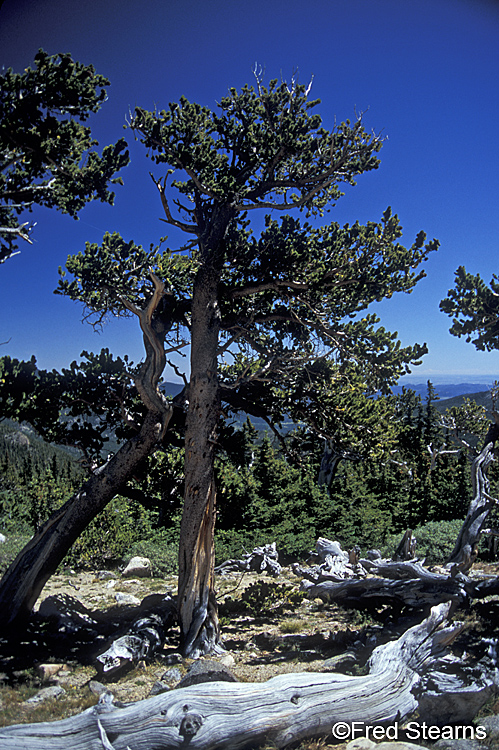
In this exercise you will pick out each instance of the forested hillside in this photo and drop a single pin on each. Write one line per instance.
(265, 493)
(482, 398)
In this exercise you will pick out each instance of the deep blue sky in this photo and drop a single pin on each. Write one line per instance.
(426, 72)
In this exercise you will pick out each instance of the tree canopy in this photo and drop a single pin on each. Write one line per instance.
(474, 308)
(273, 320)
(47, 154)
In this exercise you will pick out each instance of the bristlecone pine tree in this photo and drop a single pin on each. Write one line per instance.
(273, 321)
(474, 308)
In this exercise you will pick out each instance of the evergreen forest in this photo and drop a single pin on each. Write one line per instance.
(267, 491)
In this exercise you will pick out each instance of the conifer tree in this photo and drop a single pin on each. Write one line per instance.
(474, 308)
(274, 321)
(47, 155)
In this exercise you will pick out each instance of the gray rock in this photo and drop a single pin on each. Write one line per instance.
(97, 688)
(103, 574)
(126, 599)
(46, 694)
(491, 724)
(49, 672)
(340, 662)
(159, 687)
(3, 538)
(173, 675)
(363, 743)
(138, 567)
(227, 660)
(206, 671)
(174, 658)
(460, 745)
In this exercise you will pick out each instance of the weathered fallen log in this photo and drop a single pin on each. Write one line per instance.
(263, 559)
(454, 689)
(282, 710)
(145, 637)
(325, 547)
(371, 592)
(401, 570)
(337, 566)
(479, 589)
(334, 563)
(332, 569)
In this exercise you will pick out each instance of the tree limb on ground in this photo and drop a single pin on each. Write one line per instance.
(283, 710)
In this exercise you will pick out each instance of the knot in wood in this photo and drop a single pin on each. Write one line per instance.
(190, 724)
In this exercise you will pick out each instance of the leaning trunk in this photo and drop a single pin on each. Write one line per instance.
(25, 578)
(196, 600)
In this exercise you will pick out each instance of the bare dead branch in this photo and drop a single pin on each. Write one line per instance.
(161, 186)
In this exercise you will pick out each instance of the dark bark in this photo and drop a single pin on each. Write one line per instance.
(200, 632)
(143, 640)
(27, 575)
(406, 549)
(331, 457)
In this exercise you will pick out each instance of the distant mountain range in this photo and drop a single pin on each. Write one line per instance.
(449, 394)
(482, 398)
(444, 390)
(171, 389)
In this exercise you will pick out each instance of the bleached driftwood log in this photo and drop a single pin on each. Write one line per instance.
(264, 559)
(403, 570)
(454, 692)
(284, 709)
(371, 592)
(334, 563)
(326, 548)
(144, 638)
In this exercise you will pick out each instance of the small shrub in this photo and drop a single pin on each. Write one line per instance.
(11, 548)
(161, 551)
(269, 597)
(291, 626)
(110, 536)
(435, 541)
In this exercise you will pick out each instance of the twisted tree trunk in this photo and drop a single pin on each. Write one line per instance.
(27, 575)
(200, 632)
(464, 552)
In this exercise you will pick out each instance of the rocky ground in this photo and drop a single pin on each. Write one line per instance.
(274, 633)
(268, 629)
